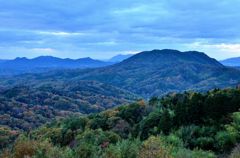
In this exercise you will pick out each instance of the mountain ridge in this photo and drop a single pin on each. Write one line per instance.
(45, 63)
(158, 72)
(174, 55)
(153, 73)
(235, 62)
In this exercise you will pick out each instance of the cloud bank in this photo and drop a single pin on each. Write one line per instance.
(101, 29)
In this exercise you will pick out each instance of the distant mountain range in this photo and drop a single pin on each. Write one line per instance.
(46, 63)
(151, 73)
(234, 62)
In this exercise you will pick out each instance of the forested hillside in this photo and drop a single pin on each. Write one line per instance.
(187, 125)
(27, 107)
(158, 72)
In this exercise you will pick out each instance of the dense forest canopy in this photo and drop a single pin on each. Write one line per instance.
(190, 124)
(28, 107)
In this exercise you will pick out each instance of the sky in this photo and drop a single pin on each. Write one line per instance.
(103, 28)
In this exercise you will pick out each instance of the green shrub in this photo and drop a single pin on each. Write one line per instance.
(205, 143)
(225, 141)
(174, 140)
(86, 150)
(123, 149)
(186, 153)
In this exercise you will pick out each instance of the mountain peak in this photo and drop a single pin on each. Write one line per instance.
(21, 58)
(86, 59)
(172, 57)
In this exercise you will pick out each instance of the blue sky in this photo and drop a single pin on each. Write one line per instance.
(103, 28)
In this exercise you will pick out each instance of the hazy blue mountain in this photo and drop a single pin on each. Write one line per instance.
(120, 57)
(150, 73)
(235, 62)
(46, 63)
(161, 71)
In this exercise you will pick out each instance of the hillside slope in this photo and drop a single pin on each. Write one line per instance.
(26, 107)
(161, 71)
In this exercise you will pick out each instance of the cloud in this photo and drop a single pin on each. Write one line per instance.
(233, 48)
(60, 33)
(48, 50)
(104, 28)
(219, 51)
